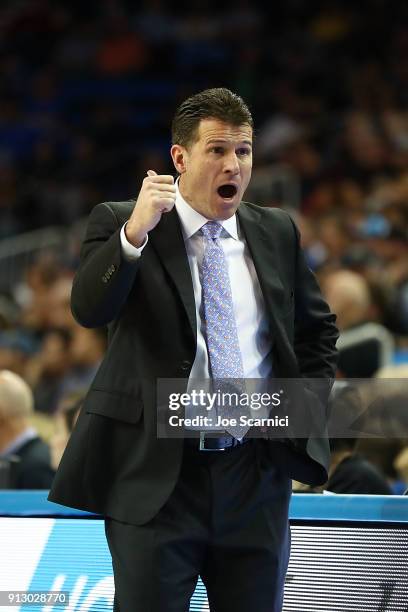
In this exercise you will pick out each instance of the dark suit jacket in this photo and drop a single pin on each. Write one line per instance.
(34, 469)
(114, 463)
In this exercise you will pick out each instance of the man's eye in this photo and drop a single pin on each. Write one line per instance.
(217, 150)
(244, 151)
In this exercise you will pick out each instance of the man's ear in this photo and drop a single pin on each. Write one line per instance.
(179, 156)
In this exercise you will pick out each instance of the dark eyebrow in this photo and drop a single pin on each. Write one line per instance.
(220, 141)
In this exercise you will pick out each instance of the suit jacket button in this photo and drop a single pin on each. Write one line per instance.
(185, 365)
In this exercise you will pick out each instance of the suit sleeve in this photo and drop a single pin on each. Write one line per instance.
(104, 277)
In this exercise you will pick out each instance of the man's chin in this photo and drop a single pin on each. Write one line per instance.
(225, 207)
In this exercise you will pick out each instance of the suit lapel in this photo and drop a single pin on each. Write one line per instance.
(167, 240)
(262, 247)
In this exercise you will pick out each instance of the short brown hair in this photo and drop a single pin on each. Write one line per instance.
(217, 103)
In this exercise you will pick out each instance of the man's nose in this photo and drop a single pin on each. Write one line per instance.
(232, 164)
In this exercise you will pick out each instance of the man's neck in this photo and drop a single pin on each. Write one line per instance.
(10, 434)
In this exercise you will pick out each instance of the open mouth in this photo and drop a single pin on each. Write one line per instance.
(227, 191)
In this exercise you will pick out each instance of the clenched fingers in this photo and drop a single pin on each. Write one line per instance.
(167, 179)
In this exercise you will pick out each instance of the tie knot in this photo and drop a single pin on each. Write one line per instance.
(212, 230)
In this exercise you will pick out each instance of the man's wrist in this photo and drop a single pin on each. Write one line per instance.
(130, 251)
(136, 239)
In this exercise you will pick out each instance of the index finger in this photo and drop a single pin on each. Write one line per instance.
(162, 178)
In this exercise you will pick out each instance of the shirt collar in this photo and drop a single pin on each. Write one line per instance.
(192, 221)
(28, 434)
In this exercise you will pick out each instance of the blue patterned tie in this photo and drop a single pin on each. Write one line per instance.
(222, 337)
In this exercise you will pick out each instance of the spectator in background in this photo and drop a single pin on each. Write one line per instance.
(33, 295)
(59, 309)
(16, 349)
(352, 473)
(349, 296)
(48, 306)
(86, 352)
(391, 453)
(9, 312)
(47, 370)
(364, 345)
(387, 456)
(18, 439)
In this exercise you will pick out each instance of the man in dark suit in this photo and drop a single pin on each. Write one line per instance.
(194, 283)
(27, 455)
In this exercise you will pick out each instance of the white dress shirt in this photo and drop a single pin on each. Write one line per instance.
(249, 308)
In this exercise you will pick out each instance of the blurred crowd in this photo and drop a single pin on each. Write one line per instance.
(87, 95)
